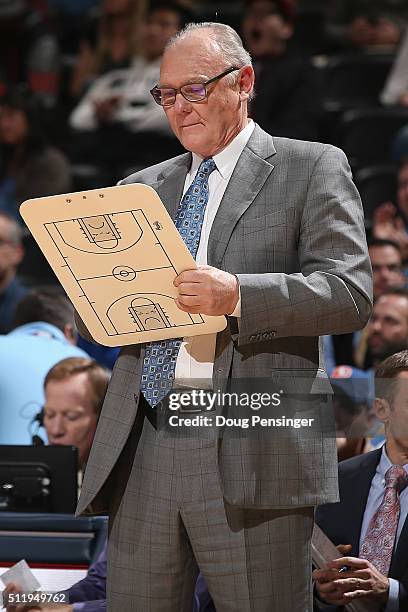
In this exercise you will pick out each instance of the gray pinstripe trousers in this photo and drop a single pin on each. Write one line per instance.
(172, 519)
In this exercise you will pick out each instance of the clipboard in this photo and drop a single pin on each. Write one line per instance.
(116, 252)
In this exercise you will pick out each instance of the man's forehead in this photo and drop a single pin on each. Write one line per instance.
(384, 252)
(191, 56)
(392, 304)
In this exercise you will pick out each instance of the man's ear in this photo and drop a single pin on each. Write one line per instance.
(246, 82)
(382, 409)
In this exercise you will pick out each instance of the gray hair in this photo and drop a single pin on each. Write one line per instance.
(226, 39)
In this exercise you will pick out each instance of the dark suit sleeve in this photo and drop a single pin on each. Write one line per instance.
(93, 586)
(403, 597)
(332, 292)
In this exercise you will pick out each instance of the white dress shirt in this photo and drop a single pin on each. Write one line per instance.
(195, 360)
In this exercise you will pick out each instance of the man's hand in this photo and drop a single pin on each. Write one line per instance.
(363, 580)
(47, 607)
(207, 290)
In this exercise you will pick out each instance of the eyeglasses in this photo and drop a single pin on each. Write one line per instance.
(193, 92)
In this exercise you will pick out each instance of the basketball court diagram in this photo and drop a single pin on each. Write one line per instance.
(122, 296)
(116, 252)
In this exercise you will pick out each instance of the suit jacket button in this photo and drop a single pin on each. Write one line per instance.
(273, 333)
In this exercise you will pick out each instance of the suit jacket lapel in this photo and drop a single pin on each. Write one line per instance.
(246, 181)
(171, 183)
(399, 561)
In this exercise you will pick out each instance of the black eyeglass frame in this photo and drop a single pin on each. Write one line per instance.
(180, 89)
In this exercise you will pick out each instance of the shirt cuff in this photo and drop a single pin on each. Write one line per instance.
(237, 310)
(393, 596)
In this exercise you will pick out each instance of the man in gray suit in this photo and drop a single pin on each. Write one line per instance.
(276, 227)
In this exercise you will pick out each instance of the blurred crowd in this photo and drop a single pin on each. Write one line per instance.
(76, 113)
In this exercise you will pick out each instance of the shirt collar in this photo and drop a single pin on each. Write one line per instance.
(226, 160)
(385, 464)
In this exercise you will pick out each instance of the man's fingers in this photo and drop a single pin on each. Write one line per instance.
(344, 548)
(188, 276)
(189, 300)
(188, 288)
(325, 575)
(327, 587)
(189, 309)
(355, 594)
(353, 584)
(353, 562)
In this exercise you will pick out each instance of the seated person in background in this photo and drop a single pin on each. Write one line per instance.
(87, 595)
(44, 333)
(365, 24)
(386, 262)
(116, 120)
(395, 92)
(369, 524)
(390, 221)
(29, 50)
(109, 42)
(287, 101)
(387, 330)
(11, 254)
(74, 391)
(29, 166)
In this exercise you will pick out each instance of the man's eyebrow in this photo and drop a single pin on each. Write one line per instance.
(195, 79)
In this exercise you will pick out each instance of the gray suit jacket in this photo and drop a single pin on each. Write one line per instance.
(291, 227)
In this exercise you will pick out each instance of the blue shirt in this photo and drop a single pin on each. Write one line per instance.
(374, 500)
(26, 355)
(89, 595)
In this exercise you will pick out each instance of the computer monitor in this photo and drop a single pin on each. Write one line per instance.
(38, 478)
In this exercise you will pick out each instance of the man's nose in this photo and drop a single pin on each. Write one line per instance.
(181, 105)
(56, 427)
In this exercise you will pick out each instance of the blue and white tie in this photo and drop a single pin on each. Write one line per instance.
(160, 357)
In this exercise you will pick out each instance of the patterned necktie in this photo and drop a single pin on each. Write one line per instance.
(379, 540)
(160, 357)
